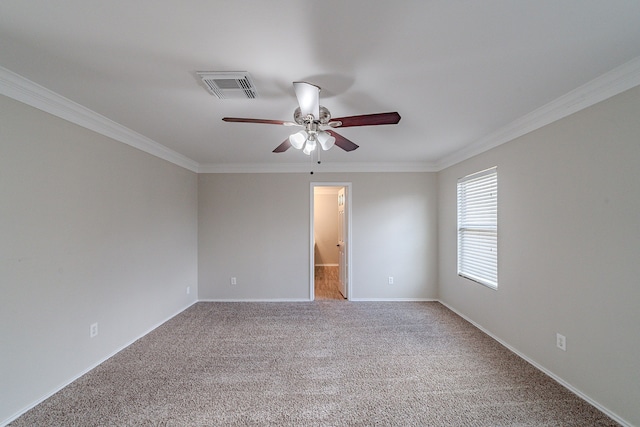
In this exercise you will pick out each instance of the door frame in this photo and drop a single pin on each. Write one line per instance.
(347, 208)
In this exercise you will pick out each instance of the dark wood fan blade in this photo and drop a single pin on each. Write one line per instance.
(283, 147)
(342, 142)
(243, 120)
(368, 120)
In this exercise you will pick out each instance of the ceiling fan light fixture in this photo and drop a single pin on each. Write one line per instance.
(312, 116)
(309, 146)
(297, 139)
(326, 140)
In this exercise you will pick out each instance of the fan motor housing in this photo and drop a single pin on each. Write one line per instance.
(324, 118)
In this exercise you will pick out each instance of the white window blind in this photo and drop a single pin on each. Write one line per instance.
(478, 227)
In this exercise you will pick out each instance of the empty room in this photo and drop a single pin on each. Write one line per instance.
(319, 213)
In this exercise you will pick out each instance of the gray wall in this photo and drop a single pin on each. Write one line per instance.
(255, 227)
(96, 231)
(569, 250)
(91, 231)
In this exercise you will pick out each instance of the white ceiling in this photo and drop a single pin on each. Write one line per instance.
(456, 71)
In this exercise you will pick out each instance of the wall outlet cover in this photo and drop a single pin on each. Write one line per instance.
(561, 342)
(93, 330)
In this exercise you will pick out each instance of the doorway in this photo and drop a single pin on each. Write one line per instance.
(330, 251)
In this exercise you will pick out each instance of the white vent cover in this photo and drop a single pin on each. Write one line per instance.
(229, 84)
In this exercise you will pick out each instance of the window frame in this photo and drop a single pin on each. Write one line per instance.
(477, 227)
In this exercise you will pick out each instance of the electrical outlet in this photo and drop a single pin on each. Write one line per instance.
(93, 330)
(391, 280)
(561, 342)
(234, 281)
(188, 290)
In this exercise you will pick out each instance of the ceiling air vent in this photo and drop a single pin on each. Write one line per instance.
(229, 84)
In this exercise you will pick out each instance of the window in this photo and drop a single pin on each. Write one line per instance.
(478, 227)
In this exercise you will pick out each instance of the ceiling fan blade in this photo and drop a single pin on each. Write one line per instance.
(308, 98)
(264, 121)
(366, 120)
(342, 142)
(283, 147)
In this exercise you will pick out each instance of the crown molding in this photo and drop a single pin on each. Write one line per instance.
(24, 90)
(30, 93)
(308, 167)
(607, 85)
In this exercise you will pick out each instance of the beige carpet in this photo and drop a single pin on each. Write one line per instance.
(325, 363)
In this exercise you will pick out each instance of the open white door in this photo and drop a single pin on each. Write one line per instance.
(343, 266)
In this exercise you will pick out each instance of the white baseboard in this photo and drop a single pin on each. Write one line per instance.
(395, 299)
(255, 300)
(559, 380)
(308, 300)
(95, 365)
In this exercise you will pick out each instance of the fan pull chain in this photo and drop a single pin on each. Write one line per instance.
(317, 158)
(311, 160)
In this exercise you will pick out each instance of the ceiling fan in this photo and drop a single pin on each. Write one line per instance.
(314, 118)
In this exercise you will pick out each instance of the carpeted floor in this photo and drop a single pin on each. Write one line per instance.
(322, 363)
